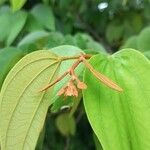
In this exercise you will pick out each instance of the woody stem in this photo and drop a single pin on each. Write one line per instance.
(70, 71)
(86, 56)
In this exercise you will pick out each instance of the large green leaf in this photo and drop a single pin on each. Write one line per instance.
(23, 107)
(18, 20)
(121, 121)
(44, 15)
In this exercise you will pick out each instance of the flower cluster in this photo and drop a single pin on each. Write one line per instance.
(72, 89)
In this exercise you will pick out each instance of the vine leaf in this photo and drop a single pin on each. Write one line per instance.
(121, 121)
(23, 108)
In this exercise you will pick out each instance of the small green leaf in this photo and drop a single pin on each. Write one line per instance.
(44, 15)
(32, 24)
(114, 31)
(17, 4)
(84, 41)
(23, 108)
(66, 124)
(34, 37)
(5, 25)
(131, 43)
(17, 23)
(55, 39)
(120, 120)
(147, 54)
(143, 41)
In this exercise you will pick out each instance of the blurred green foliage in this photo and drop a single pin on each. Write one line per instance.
(92, 25)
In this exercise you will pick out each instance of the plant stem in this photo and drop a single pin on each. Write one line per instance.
(101, 77)
(70, 71)
(86, 56)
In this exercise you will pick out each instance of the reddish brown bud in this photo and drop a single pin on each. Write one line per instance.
(71, 89)
(81, 85)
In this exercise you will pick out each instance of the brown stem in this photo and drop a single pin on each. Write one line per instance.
(86, 56)
(62, 76)
(101, 77)
(56, 81)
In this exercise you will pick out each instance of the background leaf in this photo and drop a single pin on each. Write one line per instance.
(131, 43)
(5, 25)
(44, 15)
(143, 41)
(66, 124)
(17, 4)
(18, 21)
(23, 108)
(35, 37)
(120, 120)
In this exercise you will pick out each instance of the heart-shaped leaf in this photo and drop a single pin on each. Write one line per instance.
(121, 121)
(23, 107)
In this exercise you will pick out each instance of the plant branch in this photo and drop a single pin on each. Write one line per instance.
(101, 77)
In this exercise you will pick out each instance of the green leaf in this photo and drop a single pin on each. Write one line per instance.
(32, 24)
(147, 54)
(34, 37)
(69, 40)
(55, 39)
(98, 145)
(17, 4)
(8, 58)
(8, 18)
(2, 1)
(120, 120)
(5, 25)
(143, 40)
(23, 107)
(114, 31)
(66, 124)
(131, 43)
(84, 41)
(44, 15)
(17, 23)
